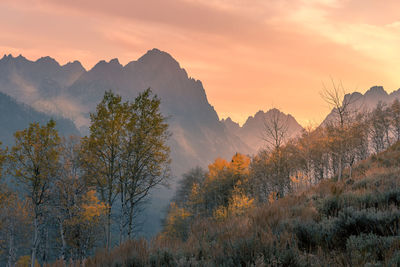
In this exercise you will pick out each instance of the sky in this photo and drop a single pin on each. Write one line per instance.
(250, 54)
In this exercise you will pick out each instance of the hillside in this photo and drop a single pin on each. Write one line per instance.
(15, 116)
(353, 222)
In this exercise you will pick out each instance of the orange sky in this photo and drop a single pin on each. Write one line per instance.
(249, 54)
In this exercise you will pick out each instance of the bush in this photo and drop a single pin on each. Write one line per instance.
(369, 248)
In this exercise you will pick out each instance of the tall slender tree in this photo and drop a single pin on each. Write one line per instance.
(146, 154)
(34, 163)
(102, 151)
(126, 154)
(336, 98)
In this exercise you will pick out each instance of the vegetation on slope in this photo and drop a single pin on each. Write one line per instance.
(351, 222)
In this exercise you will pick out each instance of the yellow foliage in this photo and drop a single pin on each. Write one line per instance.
(194, 197)
(239, 203)
(221, 213)
(92, 208)
(240, 164)
(176, 220)
(25, 261)
(218, 165)
(272, 197)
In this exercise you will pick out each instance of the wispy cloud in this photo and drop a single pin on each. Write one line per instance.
(59, 105)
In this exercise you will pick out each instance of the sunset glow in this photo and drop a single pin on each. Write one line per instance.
(250, 55)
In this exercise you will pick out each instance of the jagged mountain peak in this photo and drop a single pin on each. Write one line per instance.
(231, 125)
(10, 58)
(229, 120)
(251, 133)
(376, 91)
(115, 61)
(107, 68)
(158, 57)
(47, 60)
(76, 65)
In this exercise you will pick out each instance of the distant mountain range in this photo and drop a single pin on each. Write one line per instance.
(252, 133)
(41, 89)
(367, 101)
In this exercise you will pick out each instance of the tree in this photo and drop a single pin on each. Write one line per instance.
(15, 224)
(342, 109)
(72, 195)
(126, 154)
(34, 163)
(102, 151)
(356, 141)
(395, 118)
(380, 127)
(185, 185)
(146, 159)
(275, 129)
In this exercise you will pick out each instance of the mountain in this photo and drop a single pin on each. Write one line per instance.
(198, 136)
(71, 91)
(253, 130)
(40, 84)
(367, 101)
(15, 116)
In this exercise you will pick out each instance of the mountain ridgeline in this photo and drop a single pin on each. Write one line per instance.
(70, 91)
(43, 89)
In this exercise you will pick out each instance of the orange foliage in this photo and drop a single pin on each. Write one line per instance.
(218, 165)
(92, 207)
(240, 164)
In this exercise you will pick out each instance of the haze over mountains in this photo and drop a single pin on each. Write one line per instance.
(198, 136)
(252, 133)
(15, 116)
(367, 101)
(71, 91)
(43, 89)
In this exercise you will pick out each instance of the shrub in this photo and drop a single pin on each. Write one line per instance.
(369, 248)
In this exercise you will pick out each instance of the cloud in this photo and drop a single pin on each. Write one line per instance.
(59, 105)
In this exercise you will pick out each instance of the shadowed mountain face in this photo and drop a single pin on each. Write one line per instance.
(71, 91)
(252, 133)
(16, 116)
(198, 137)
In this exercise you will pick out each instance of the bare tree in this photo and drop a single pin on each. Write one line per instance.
(336, 98)
(275, 129)
(395, 118)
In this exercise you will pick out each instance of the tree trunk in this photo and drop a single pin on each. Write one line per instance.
(130, 222)
(108, 233)
(351, 167)
(64, 243)
(121, 219)
(11, 250)
(35, 241)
